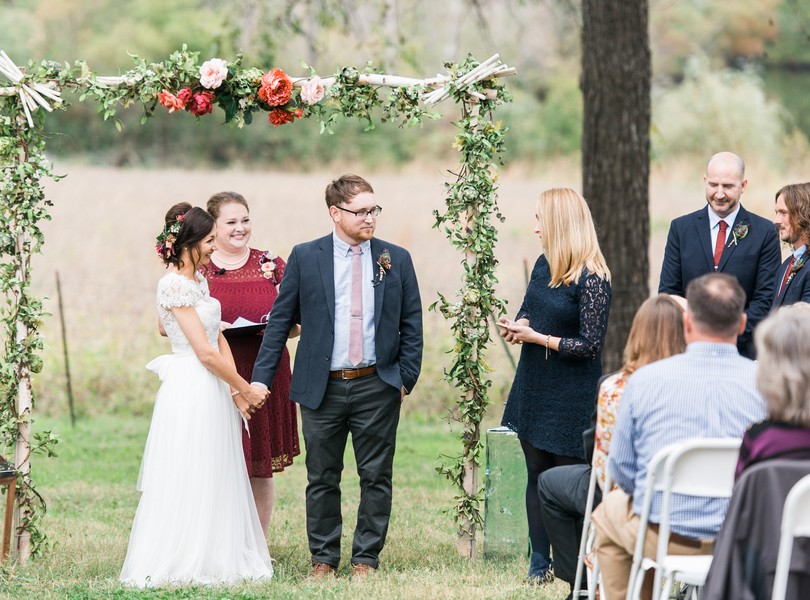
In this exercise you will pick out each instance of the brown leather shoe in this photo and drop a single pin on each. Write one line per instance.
(361, 570)
(322, 571)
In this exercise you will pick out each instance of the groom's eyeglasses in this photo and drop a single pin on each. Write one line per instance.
(363, 213)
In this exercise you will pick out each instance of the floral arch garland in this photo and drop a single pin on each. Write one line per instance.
(181, 83)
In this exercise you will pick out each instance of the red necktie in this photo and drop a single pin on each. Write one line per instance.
(720, 244)
(787, 274)
(356, 315)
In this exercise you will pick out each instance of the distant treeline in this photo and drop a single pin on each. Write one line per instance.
(746, 62)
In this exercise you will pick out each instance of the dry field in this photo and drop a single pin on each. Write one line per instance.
(104, 223)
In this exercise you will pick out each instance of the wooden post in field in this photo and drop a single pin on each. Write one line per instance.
(22, 452)
(65, 348)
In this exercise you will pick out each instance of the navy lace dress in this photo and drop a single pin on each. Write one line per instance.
(551, 400)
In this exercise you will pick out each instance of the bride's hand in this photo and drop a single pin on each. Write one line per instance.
(243, 405)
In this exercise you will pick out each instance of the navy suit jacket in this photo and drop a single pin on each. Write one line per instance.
(797, 289)
(307, 296)
(753, 260)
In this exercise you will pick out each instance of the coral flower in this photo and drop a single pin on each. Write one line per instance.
(276, 87)
(170, 101)
(279, 116)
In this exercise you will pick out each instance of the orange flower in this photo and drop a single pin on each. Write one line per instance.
(279, 116)
(170, 101)
(276, 88)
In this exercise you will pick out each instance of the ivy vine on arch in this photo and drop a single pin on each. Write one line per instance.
(182, 84)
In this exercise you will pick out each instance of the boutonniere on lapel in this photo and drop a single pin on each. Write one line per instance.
(383, 266)
(798, 264)
(739, 232)
(267, 264)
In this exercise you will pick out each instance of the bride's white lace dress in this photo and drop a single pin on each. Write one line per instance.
(196, 522)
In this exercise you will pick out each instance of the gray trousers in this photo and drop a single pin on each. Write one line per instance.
(368, 408)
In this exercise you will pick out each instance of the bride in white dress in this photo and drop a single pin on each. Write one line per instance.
(196, 522)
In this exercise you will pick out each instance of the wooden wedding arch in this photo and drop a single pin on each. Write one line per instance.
(183, 84)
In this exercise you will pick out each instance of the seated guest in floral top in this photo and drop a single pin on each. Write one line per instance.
(783, 379)
(656, 333)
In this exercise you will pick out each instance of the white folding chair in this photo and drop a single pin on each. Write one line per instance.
(586, 542)
(699, 467)
(795, 523)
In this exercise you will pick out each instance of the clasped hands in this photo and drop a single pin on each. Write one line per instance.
(516, 332)
(251, 400)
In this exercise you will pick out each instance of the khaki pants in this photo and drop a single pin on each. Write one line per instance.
(616, 532)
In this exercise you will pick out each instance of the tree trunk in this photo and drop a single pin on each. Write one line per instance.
(616, 73)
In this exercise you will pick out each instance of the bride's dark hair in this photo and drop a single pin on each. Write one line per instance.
(185, 227)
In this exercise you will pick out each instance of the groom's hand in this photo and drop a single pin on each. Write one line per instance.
(256, 396)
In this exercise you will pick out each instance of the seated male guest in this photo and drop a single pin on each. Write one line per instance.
(709, 391)
(792, 220)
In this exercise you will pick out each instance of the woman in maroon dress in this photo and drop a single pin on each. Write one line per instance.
(245, 281)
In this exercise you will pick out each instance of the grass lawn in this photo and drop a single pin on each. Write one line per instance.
(90, 490)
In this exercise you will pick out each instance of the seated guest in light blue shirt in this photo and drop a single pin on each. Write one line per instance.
(792, 220)
(709, 391)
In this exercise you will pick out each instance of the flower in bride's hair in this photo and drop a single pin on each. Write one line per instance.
(312, 90)
(213, 72)
(276, 87)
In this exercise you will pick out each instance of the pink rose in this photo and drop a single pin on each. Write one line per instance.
(267, 269)
(184, 95)
(213, 72)
(312, 91)
(201, 103)
(170, 101)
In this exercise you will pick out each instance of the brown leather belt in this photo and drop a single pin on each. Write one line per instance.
(680, 539)
(352, 373)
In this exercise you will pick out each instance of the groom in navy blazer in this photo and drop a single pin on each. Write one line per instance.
(748, 248)
(792, 220)
(360, 352)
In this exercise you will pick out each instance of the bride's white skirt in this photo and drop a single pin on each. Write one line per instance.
(196, 522)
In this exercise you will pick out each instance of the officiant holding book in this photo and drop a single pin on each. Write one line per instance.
(245, 281)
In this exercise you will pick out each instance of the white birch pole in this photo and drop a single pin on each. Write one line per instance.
(22, 452)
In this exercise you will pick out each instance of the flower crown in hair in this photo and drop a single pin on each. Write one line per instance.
(167, 237)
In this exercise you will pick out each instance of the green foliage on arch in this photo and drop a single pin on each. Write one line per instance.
(181, 84)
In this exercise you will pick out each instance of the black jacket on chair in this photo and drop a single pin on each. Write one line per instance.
(745, 553)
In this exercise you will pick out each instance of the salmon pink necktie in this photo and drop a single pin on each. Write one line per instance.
(718, 246)
(356, 321)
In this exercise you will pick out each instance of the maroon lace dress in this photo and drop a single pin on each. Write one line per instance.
(249, 292)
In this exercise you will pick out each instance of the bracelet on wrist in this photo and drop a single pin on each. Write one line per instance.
(236, 393)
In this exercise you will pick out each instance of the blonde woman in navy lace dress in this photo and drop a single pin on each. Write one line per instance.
(561, 326)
